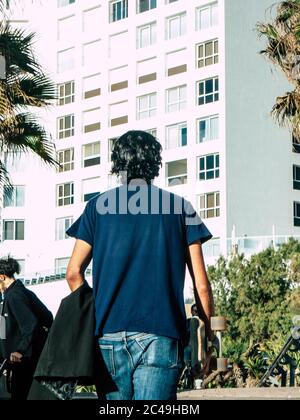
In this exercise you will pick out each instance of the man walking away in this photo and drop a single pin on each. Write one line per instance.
(141, 238)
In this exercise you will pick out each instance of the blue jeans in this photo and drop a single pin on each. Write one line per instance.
(141, 366)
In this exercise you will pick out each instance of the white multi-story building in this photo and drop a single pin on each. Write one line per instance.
(190, 73)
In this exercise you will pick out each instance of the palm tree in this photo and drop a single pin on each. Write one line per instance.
(24, 88)
(283, 50)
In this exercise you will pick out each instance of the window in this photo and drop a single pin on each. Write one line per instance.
(13, 230)
(66, 126)
(91, 19)
(296, 145)
(116, 46)
(66, 160)
(208, 91)
(176, 136)
(207, 53)
(61, 265)
(118, 9)
(63, 3)
(90, 188)
(152, 131)
(65, 194)
(17, 198)
(61, 226)
(91, 154)
(66, 93)
(146, 35)
(207, 16)
(146, 70)
(118, 114)
(209, 205)
(91, 86)
(176, 99)
(176, 26)
(209, 167)
(146, 106)
(118, 78)
(176, 62)
(66, 60)
(110, 147)
(65, 27)
(208, 129)
(91, 120)
(90, 52)
(296, 214)
(296, 171)
(176, 172)
(145, 5)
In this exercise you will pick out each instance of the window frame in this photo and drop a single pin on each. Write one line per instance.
(92, 157)
(183, 176)
(210, 6)
(215, 170)
(149, 109)
(179, 127)
(182, 25)
(65, 197)
(58, 234)
(182, 103)
(124, 10)
(216, 209)
(14, 221)
(215, 92)
(152, 35)
(61, 132)
(64, 162)
(138, 6)
(12, 201)
(209, 130)
(214, 56)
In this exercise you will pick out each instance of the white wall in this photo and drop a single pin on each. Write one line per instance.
(259, 154)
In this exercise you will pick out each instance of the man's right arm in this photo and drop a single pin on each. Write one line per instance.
(202, 288)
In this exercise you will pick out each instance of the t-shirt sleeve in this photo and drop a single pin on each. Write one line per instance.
(84, 227)
(194, 226)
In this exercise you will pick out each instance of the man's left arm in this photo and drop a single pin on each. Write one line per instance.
(80, 259)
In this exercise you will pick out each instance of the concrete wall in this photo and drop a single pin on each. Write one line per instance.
(259, 161)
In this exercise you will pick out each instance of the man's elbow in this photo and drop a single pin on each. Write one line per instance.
(73, 275)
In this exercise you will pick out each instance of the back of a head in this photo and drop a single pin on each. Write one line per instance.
(138, 154)
(9, 267)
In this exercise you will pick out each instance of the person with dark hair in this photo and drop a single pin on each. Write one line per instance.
(25, 321)
(141, 238)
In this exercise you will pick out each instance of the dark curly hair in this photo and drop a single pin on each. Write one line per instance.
(139, 154)
(9, 267)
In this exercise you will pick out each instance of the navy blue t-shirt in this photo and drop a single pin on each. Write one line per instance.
(140, 240)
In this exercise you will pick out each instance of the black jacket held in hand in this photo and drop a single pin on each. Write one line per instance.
(70, 351)
(26, 321)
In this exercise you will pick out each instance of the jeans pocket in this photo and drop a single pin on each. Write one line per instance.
(107, 352)
(163, 352)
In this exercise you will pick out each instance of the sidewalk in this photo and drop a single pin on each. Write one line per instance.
(242, 394)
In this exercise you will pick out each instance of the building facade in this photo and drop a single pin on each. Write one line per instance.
(188, 72)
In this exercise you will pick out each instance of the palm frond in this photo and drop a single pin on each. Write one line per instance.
(27, 134)
(16, 46)
(287, 107)
(31, 90)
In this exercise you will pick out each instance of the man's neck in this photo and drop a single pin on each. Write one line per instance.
(8, 283)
